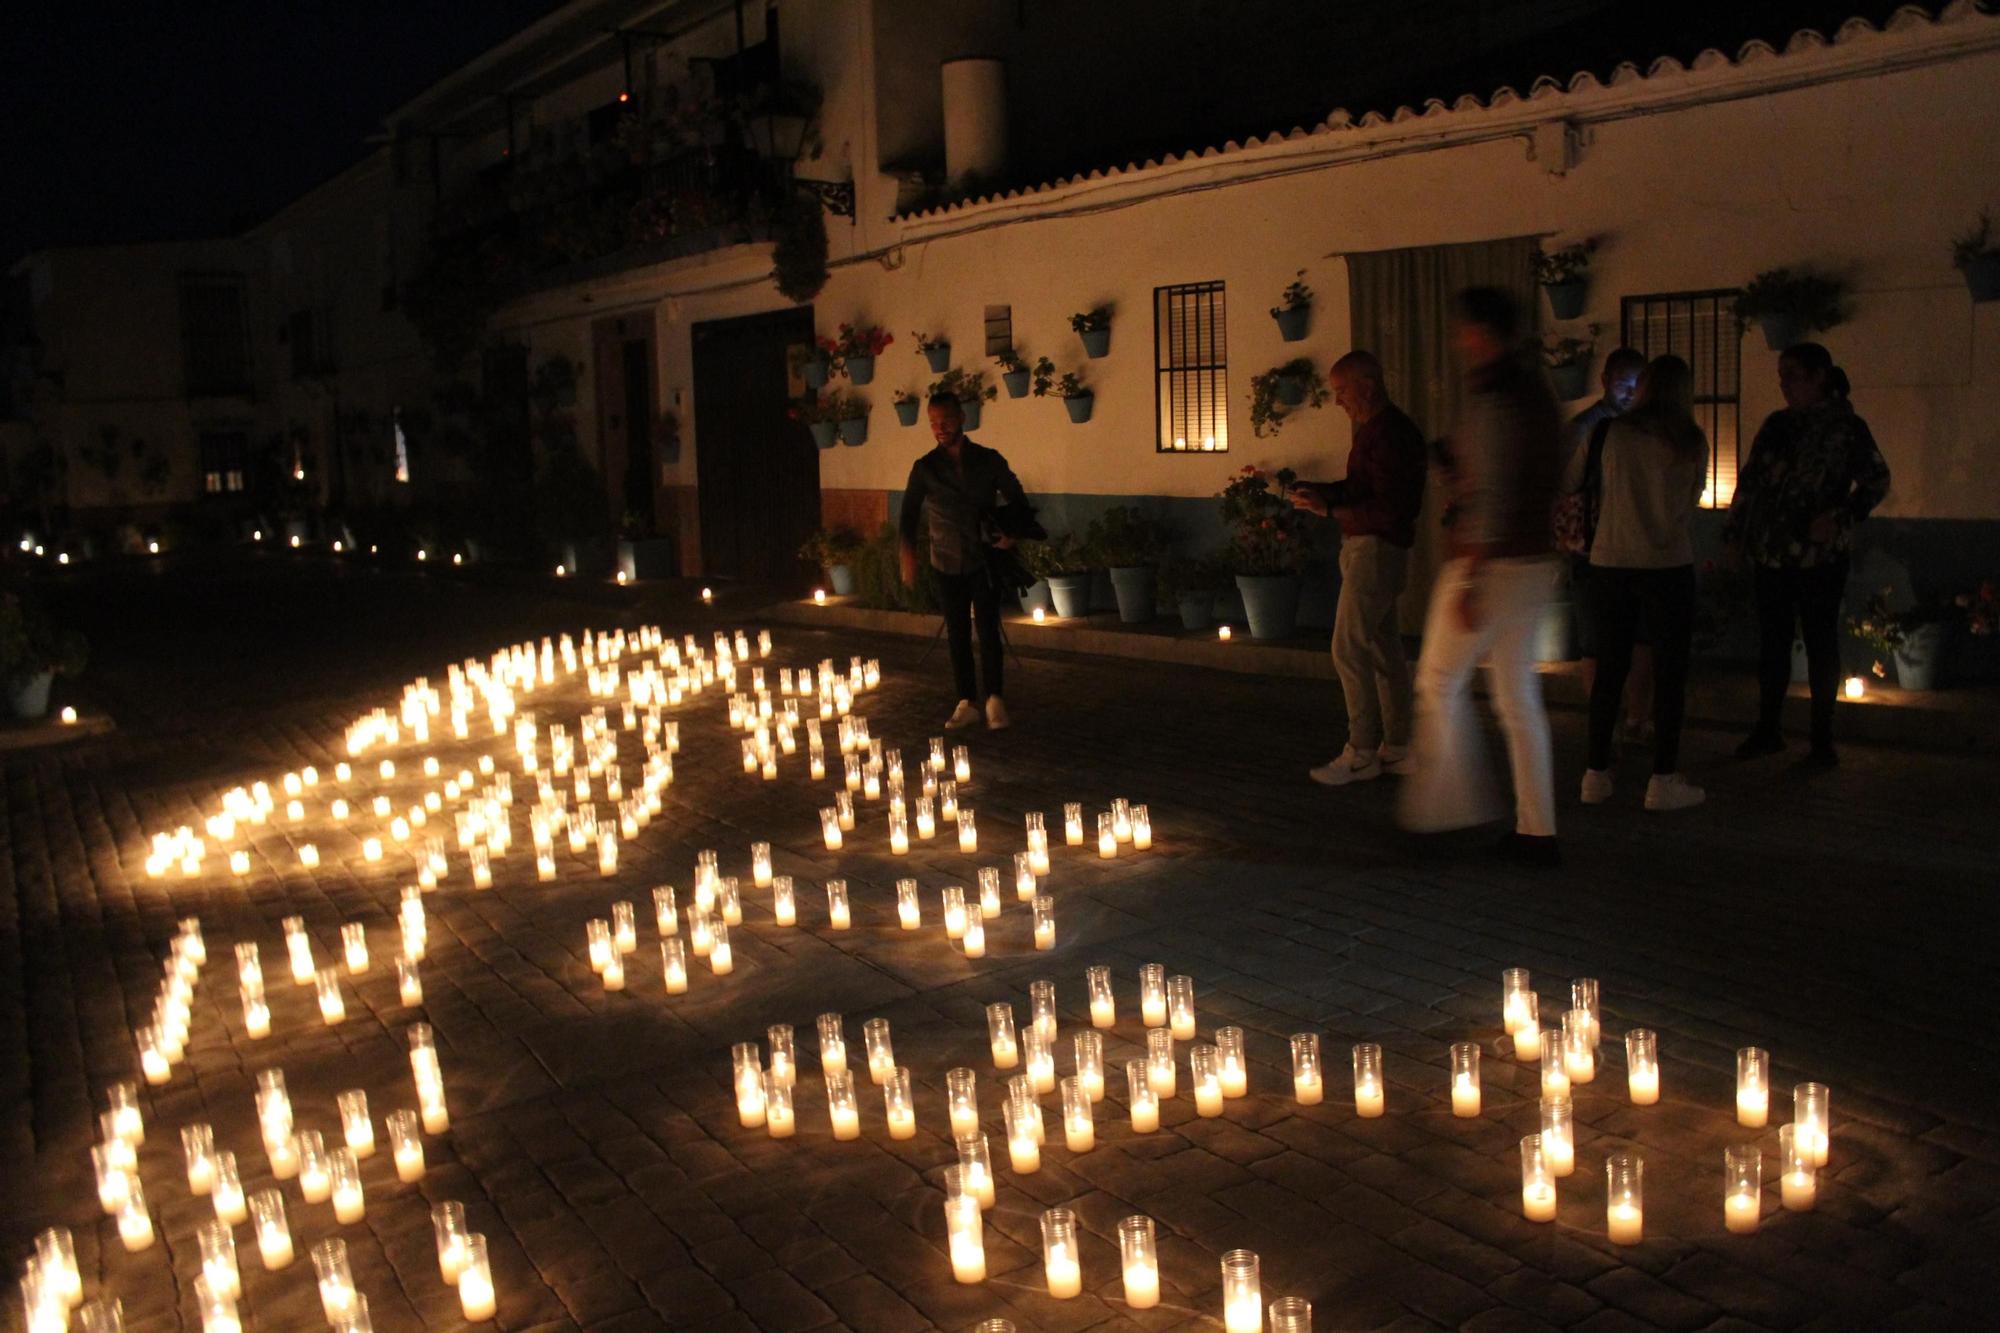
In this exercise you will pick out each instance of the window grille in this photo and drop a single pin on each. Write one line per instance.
(1191, 369)
(1701, 329)
(215, 335)
(224, 456)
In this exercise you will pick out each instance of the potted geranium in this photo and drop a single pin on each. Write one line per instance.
(1278, 390)
(1913, 637)
(1066, 564)
(816, 415)
(1267, 546)
(833, 550)
(850, 416)
(1977, 255)
(33, 652)
(1094, 327)
(971, 390)
(1294, 309)
(907, 406)
(1564, 275)
(1790, 303)
(1128, 543)
(1568, 363)
(1014, 373)
(855, 348)
(1068, 386)
(936, 351)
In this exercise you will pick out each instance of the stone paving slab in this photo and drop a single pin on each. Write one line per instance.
(1843, 920)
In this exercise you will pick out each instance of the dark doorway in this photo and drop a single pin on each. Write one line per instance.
(640, 483)
(622, 353)
(756, 469)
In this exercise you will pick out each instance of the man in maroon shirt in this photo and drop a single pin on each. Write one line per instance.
(1376, 506)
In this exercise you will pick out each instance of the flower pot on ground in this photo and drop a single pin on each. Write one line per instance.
(854, 430)
(1792, 304)
(834, 550)
(1128, 543)
(33, 652)
(906, 411)
(1137, 590)
(1094, 327)
(1063, 563)
(1270, 604)
(823, 432)
(1915, 637)
(1918, 656)
(1294, 309)
(1977, 255)
(1566, 299)
(1197, 609)
(28, 697)
(1071, 594)
(1036, 597)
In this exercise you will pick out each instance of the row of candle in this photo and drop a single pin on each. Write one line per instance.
(162, 1043)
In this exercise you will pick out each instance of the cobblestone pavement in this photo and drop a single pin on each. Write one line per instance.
(1843, 921)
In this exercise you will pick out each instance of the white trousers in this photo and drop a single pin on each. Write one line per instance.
(1453, 786)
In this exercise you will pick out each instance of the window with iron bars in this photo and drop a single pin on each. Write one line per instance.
(1191, 369)
(1701, 329)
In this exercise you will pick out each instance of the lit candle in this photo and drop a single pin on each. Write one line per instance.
(114, 1183)
(315, 1172)
(1180, 1007)
(332, 1008)
(357, 1127)
(975, 1160)
(274, 1234)
(779, 1121)
(1060, 1265)
(227, 1192)
(475, 1282)
(1024, 1122)
(1038, 843)
(1073, 823)
(1232, 1064)
(135, 1224)
(1642, 1066)
(1558, 1135)
(1153, 995)
(1514, 992)
(968, 832)
(1107, 838)
(898, 1105)
(1753, 1087)
(1142, 828)
(1103, 1005)
(1242, 1293)
(431, 1106)
(348, 1204)
(1555, 1078)
(701, 931)
(1308, 1085)
(784, 1053)
(1045, 921)
(407, 1144)
(1089, 1057)
(55, 1252)
(721, 958)
(876, 1042)
(1528, 1033)
(1624, 1198)
(1160, 1070)
(218, 1257)
(838, 914)
(1207, 1081)
(899, 833)
(908, 913)
(198, 1147)
(153, 1064)
(926, 818)
(832, 1044)
(354, 943)
(128, 1123)
(965, 1229)
(1538, 1186)
(1583, 995)
(1144, 1101)
(1465, 1079)
(337, 1295)
(961, 1087)
(409, 985)
(1368, 1087)
(673, 965)
(309, 856)
(1139, 1255)
(1579, 1052)
(954, 912)
(1742, 1187)
(842, 1112)
(1812, 1112)
(1040, 1059)
(666, 916)
(1799, 1184)
(760, 864)
(843, 809)
(1001, 1035)
(747, 1060)
(624, 928)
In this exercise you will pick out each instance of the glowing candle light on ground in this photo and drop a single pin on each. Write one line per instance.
(1799, 1181)
(406, 1144)
(1160, 1071)
(1558, 1135)
(1139, 1256)
(1001, 1035)
(274, 1234)
(1308, 1079)
(476, 1297)
(1538, 1186)
(1642, 1066)
(1206, 1080)
(1060, 1266)
(1024, 1150)
(1624, 1198)
(1153, 995)
(1742, 1188)
(1369, 1096)
(779, 1119)
(1812, 1112)
(1753, 1087)
(1465, 1079)
(898, 1104)
(198, 1150)
(965, 1229)
(843, 1115)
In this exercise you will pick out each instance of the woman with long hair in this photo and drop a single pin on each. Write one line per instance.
(1813, 473)
(1651, 471)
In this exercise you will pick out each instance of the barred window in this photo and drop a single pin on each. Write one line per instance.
(1191, 368)
(215, 334)
(1701, 329)
(224, 458)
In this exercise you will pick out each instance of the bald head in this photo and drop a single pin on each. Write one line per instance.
(1358, 387)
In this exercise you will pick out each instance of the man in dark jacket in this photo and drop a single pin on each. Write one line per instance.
(1376, 505)
(950, 497)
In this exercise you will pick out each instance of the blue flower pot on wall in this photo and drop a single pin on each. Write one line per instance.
(1293, 322)
(1071, 593)
(1016, 382)
(1289, 390)
(1079, 407)
(971, 409)
(854, 430)
(1566, 299)
(1982, 277)
(1270, 604)
(813, 371)
(822, 433)
(939, 358)
(1570, 382)
(906, 410)
(861, 369)
(1782, 331)
(1096, 342)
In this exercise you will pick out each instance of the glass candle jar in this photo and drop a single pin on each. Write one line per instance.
(1142, 828)
(1465, 1079)
(624, 927)
(1206, 1081)
(1242, 1293)
(1624, 1198)
(898, 1104)
(1799, 1179)
(409, 982)
(779, 1119)
(909, 914)
(965, 1229)
(1291, 1314)
(274, 1232)
(1232, 1064)
(1153, 995)
(348, 1203)
(1370, 1092)
(1024, 877)
(1079, 1123)
(839, 914)
(1558, 1135)
(1538, 1183)
(1554, 1075)
(829, 828)
(1753, 1087)
(881, 1053)
(1121, 819)
(1742, 1187)
(227, 1193)
(1528, 1036)
(336, 1279)
(198, 1151)
(1107, 840)
(747, 1076)
(1042, 1007)
(1060, 1254)
(666, 914)
(1103, 1005)
(1583, 996)
(1039, 1058)
(1642, 1066)
(1073, 823)
(843, 808)
(760, 864)
(1812, 1112)
(354, 946)
(1145, 1103)
(721, 957)
(332, 1005)
(1024, 1135)
(476, 1297)
(926, 814)
(1308, 1080)
(832, 1044)
(961, 1088)
(954, 912)
(1088, 1049)
(218, 1257)
(1139, 1255)
(1579, 1051)
(1001, 1035)
(968, 831)
(673, 965)
(406, 1144)
(1180, 1007)
(1044, 909)
(357, 1127)
(1160, 1061)
(843, 1113)
(975, 1160)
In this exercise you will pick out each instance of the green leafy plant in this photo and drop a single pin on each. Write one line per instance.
(904, 396)
(1092, 320)
(1124, 536)
(1045, 376)
(1071, 385)
(1047, 383)
(1267, 414)
(1560, 352)
(30, 643)
(1295, 296)
(967, 387)
(878, 579)
(1266, 534)
(1886, 629)
(1975, 244)
(1567, 264)
(1182, 575)
(830, 546)
(1810, 299)
(826, 407)
(1010, 362)
(926, 343)
(1062, 554)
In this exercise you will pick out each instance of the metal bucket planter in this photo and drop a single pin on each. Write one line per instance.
(842, 579)
(1982, 276)
(1270, 604)
(1918, 657)
(1570, 382)
(822, 433)
(1293, 323)
(1016, 382)
(1137, 588)
(939, 358)
(1566, 298)
(970, 408)
(28, 696)
(906, 410)
(1096, 342)
(1197, 609)
(1071, 593)
(861, 369)
(854, 430)
(1079, 407)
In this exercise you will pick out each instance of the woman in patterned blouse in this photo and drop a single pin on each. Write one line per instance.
(1813, 473)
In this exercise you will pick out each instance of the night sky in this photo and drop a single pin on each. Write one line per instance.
(138, 120)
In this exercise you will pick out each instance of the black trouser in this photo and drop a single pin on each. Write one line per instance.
(1620, 600)
(1810, 600)
(966, 597)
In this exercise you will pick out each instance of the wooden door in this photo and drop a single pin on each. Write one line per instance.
(756, 469)
(627, 407)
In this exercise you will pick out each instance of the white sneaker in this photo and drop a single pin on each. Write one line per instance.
(1347, 767)
(1398, 760)
(1597, 786)
(962, 716)
(996, 713)
(1671, 791)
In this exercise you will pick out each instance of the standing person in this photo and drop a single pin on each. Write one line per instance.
(1504, 457)
(1620, 382)
(951, 495)
(1376, 505)
(1813, 473)
(1653, 464)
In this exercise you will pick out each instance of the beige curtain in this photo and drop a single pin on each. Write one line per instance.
(1399, 307)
